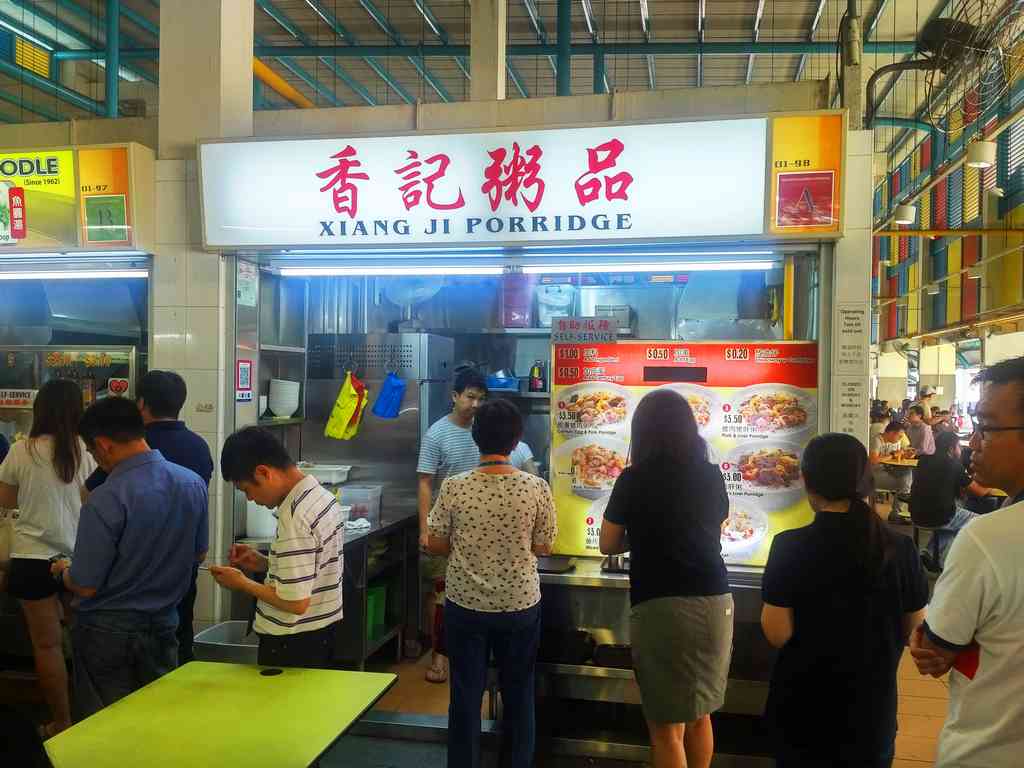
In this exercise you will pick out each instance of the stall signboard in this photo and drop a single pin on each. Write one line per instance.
(756, 405)
(602, 183)
(105, 214)
(745, 177)
(806, 174)
(38, 199)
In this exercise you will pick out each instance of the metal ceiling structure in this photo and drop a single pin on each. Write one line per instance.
(375, 52)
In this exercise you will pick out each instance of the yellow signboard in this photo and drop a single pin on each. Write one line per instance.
(38, 199)
(806, 174)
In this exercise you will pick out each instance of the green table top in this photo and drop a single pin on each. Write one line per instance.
(213, 714)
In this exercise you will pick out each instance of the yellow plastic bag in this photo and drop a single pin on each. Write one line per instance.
(347, 414)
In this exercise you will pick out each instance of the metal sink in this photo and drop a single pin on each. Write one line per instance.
(228, 642)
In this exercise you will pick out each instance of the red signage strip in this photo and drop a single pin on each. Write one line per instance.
(651, 363)
(16, 203)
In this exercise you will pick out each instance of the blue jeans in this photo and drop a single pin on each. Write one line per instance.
(942, 538)
(117, 652)
(513, 639)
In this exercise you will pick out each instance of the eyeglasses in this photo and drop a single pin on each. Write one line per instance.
(986, 431)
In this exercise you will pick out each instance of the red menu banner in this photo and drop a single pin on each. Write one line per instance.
(651, 364)
(755, 404)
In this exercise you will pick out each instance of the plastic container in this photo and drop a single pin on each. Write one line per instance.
(227, 642)
(260, 522)
(376, 605)
(364, 500)
(327, 474)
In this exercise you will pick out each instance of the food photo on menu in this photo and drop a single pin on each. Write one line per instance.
(591, 407)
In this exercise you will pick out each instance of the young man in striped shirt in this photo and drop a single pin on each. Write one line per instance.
(298, 606)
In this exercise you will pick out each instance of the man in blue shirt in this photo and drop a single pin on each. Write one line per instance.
(160, 396)
(140, 535)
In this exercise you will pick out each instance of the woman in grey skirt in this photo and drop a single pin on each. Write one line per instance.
(667, 509)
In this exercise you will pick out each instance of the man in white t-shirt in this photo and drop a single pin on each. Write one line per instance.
(975, 624)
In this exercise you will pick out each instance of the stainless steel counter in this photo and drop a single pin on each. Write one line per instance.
(598, 603)
(389, 521)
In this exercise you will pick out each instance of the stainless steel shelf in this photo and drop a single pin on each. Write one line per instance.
(282, 422)
(520, 395)
(279, 348)
(539, 332)
(375, 644)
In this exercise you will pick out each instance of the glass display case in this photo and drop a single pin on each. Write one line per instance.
(101, 371)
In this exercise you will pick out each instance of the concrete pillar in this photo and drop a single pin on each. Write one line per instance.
(487, 50)
(205, 93)
(205, 73)
(851, 295)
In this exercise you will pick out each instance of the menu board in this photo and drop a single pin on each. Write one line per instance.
(755, 405)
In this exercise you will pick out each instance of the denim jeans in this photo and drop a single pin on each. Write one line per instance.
(118, 652)
(942, 538)
(513, 639)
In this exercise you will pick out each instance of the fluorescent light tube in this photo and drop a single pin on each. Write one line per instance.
(385, 271)
(672, 266)
(72, 274)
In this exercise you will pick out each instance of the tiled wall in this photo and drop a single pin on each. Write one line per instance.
(189, 329)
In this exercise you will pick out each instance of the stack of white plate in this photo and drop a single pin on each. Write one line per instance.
(284, 397)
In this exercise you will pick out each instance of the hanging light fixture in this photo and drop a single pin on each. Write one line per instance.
(905, 214)
(981, 154)
(932, 289)
(974, 273)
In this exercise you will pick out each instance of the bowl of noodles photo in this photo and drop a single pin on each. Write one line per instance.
(769, 472)
(705, 404)
(593, 408)
(743, 530)
(775, 410)
(593, 463)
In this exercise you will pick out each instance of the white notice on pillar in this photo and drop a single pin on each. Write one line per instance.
(849, 406)
(851, 338)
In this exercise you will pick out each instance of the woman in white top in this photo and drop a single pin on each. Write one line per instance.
(44, 477)
(492, 522)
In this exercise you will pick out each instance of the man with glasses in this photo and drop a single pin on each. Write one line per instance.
(975, 624)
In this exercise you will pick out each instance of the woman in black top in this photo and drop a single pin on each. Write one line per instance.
(841, 597)
(667, 508)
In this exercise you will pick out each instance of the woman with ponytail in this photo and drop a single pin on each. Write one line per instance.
(841, 597)
(44, 477)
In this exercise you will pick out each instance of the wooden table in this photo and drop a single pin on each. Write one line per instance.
(212, 714)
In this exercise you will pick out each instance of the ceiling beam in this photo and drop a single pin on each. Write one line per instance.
(876, 16)
(539, 29)
(341, 31)
(288, 26)
(440, 32)
(595, 37)
(758, 14)
(810, 38)
(701, 11)
(645, 24)
(65, 33)
(382, 21)
(36, 109)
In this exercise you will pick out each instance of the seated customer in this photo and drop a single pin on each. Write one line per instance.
(298, 606)
(922, 439)
(889, 478)
(939, 481)
(139, 536)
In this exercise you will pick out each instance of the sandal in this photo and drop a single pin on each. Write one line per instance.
(438, 672)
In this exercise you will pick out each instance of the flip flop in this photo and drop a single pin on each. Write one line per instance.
(437, 674)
